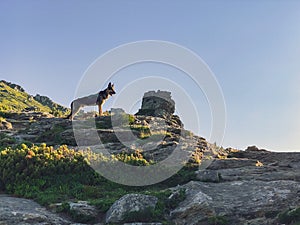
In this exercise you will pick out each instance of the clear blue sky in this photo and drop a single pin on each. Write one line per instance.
(253, 48)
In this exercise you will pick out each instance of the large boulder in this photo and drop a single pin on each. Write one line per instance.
(18, 211)
(157, 104)
(127, 204)
(254, 187)
(238, 202)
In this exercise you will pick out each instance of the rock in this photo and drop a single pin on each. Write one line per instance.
(129, 203)
(231, 163)
(46, 101)
(84, 210)
(208, 176)
(13, 86)
(194, 208)
(264, 173)
(18, 211)
(157, 104)
(117, 111)
(5, 125)
(30, 109)
(142, 224)
(238, 202)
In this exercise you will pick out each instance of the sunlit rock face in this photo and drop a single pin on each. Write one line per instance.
(158, 104)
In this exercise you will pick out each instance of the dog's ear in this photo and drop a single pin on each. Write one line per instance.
(112, 85)
(109, 85)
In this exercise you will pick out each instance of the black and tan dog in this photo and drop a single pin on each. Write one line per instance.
(96, 99)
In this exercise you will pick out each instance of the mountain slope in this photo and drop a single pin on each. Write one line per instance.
(13, 98)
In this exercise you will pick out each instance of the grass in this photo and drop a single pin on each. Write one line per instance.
(218, 220)
(16, 100)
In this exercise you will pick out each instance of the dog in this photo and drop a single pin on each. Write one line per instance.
(96, 99)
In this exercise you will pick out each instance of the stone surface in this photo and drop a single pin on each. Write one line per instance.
(242, 191)
(231, 163)
(142, 224)
(82, 208)
(18, 211)
(208, 176)
(237, 201)
(5, 125)
(129, 203)
(157, 104)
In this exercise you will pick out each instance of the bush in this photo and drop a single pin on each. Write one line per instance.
(27, 171)
(135, 159)
(54, 175)
(291, 216)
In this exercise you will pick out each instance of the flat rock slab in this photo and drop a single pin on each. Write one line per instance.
(19, 211)
(238, 201)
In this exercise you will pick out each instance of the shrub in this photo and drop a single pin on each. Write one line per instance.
(51, 175)
(135, 159)
(27, 171)
(290, 216)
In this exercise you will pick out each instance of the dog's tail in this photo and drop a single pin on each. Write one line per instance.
(70, 115)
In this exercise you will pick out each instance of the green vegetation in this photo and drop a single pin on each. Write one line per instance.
(6, 140)
(116, 120)
(218, 220)
(13, 98)
(290, 216)
(51, 175)
(53, 136)
(148, 215)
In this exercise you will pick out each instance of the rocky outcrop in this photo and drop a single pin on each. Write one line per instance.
(129, 203)
(238, 202)
(157, 104)
(118, 132)
(230, 187)
(230, 191)
(12, 85)
(46, 101)
(252, 189)
(18, 211)
(5, 125)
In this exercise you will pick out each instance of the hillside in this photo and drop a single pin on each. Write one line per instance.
(215, 186)
(13, 98)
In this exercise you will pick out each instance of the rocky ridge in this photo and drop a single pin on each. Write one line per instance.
(253, 186)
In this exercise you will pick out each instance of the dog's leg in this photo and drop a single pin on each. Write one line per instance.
(100, 109)
(75, 107)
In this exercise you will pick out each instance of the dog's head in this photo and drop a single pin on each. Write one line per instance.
(111, 89)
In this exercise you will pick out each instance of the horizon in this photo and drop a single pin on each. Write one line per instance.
(252, 49)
